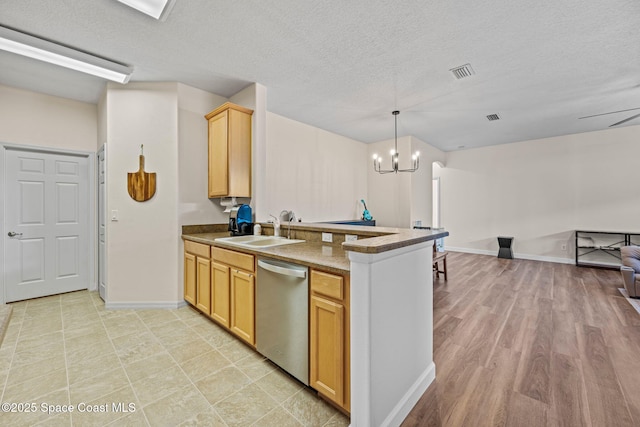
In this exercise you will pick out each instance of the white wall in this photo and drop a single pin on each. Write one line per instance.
(30, 118)
(317, 174)
(540, 191)
(194, 207)
(398, 200)
(143, 245)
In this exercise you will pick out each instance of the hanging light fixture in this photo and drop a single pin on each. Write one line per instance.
(394, 156)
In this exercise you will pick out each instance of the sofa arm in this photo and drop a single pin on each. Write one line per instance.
(629, 279)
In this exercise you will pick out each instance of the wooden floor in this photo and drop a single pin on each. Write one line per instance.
(529, 343)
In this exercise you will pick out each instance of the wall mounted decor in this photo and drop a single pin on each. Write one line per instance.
(141, 185)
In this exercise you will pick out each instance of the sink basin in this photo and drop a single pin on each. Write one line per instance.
(257, 241)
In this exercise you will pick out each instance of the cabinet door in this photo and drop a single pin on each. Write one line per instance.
(190, 278)
(218, 155)
(243, 305)
(203, 285)
(220, 302)
(326, 348)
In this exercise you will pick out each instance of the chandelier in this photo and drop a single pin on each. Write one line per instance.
(394, 156)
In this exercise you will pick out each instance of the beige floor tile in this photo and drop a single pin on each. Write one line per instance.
(208, 418)
(28, 391)
(137, 346)
(176, 407)
(159, 384)
(6, 356)
(96, 339)
(84, 369)
(103, 410)
(123, 325)
(255, 366)
(278, 417)
(97, 386)
(149, 366)
(245, 407)
(154, 351)
(56, 397)
(222, 384)
(214, 334)
(308, 408)
(279, 386)
(338, 420)
(41, 326)
(22, 373)
(187, 351)
(27, 341)
(236, 350)
(88, 353)
(87, 327)
(135, 419)
(60, 420)
(204, 365)
(38, 354)
(157, 316)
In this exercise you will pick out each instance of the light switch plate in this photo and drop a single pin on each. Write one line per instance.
(114, 215)
(327, 237)
(350, 237)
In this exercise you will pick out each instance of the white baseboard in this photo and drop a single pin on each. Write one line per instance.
(515, 255)
(411, 397)
(138, 305)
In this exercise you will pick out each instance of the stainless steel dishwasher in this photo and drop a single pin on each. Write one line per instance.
(282, 316)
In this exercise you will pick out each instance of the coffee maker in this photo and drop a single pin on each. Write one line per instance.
(240, 219)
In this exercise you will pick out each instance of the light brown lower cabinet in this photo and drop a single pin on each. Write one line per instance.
(220, 295)
(329, 346)
(197, 281)
(243, 293)
(234, 288)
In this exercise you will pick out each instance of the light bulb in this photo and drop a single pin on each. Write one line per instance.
(375, 156)
(417, 154)
(392, 152)
(414, 157)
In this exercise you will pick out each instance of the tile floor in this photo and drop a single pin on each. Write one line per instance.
(175, 367)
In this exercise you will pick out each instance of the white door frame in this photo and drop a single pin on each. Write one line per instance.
(93, 282)
(102, 150)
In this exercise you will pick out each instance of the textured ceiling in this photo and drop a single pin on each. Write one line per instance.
(345, 65)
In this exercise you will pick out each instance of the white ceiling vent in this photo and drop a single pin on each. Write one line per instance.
(492, 117)
(462, 71)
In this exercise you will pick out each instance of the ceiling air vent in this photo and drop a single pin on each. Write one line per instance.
(492, 117)
(462, 71)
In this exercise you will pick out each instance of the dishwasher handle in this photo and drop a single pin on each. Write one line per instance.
(282, 270)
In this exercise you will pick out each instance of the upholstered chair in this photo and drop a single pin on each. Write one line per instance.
(631, 270)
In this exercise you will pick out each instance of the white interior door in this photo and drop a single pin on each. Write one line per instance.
(102, 224)
(47, 224)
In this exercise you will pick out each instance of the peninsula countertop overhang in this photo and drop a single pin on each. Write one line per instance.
(315, 253)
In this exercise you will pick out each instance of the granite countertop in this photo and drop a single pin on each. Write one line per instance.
(328, 256)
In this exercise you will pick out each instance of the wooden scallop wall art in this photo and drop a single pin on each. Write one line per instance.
(141, 185)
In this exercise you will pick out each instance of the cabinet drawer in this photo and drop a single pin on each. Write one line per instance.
(327, 284)
(234, 259)
(197, 249)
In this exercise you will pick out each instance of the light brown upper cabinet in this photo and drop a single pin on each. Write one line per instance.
(229, 151)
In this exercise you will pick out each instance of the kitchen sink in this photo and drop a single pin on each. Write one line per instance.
(257, 241)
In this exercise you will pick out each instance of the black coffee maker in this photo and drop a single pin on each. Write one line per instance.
(240, 220)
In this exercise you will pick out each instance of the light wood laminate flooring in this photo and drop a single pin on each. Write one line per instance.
(528, 343)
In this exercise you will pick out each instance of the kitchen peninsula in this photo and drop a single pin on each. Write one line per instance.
(391, 307)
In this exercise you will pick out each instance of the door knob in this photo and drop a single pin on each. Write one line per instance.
(13, 234)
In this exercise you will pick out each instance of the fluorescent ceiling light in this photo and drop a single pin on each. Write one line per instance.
(43, 50)
(158, 9)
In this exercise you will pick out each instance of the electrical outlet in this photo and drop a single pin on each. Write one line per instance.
(350, 237)
(563, 247)
(327, 237)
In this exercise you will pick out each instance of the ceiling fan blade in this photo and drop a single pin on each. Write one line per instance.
(610, 112)
(625, 120)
